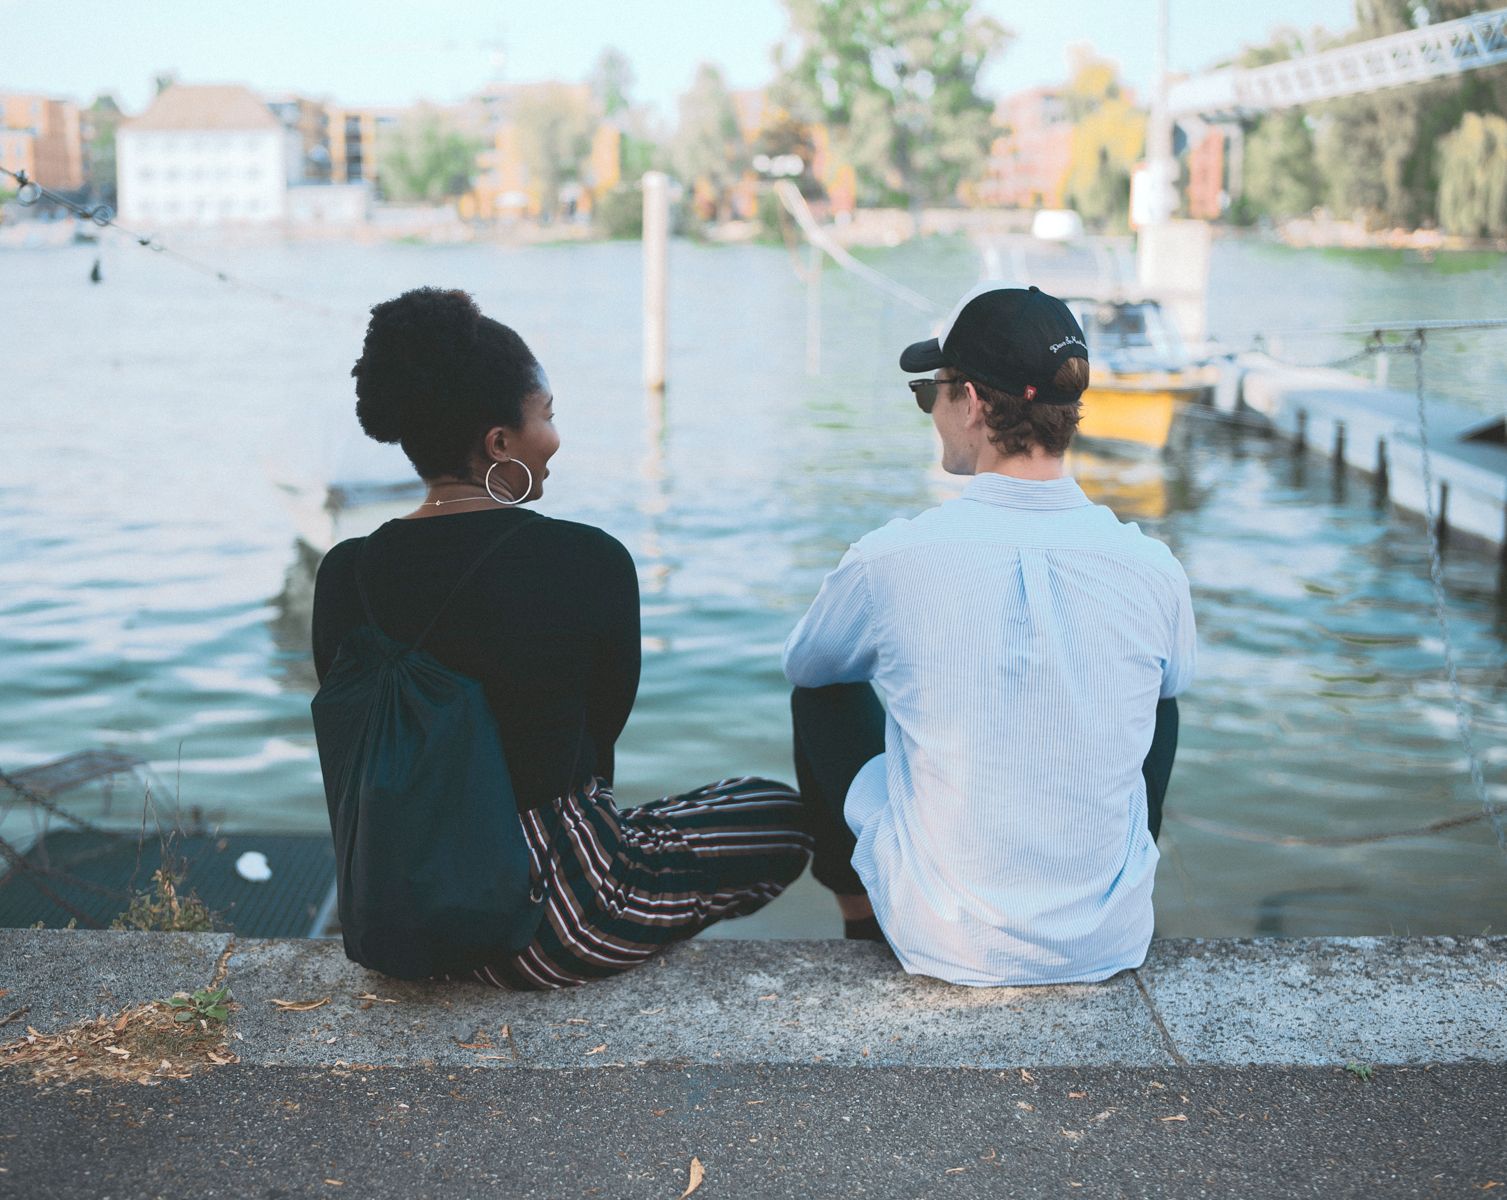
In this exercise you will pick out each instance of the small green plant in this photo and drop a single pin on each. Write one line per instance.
(1360, 1070)
(165, 909)
(207, 1004)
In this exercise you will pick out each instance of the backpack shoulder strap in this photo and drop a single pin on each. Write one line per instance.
(366, 604)
(530, 518)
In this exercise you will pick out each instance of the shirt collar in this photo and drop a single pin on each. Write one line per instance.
(990, 487)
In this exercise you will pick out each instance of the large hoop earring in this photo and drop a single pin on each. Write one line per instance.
(528, 487)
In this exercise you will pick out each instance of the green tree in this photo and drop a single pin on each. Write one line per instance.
(1109, 137)
(100, 121)
(555, 122)
(1379, 152)
(611, 81)
(1473, 177)
(425, 158)
(1281, 177)
(782, 137)
(896, 82)
(708, 147)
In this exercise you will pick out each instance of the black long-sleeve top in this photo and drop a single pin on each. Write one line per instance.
(549, 625)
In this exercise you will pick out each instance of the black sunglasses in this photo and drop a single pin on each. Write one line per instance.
(925, 391)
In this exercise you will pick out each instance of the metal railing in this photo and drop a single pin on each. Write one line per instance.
(1414, 56)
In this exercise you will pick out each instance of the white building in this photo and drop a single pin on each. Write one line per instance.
(203, 156)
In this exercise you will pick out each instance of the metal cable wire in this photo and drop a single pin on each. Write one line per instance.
(1220, 829)
(1416, 347)
(1374, 328)
(29, 192)
(47, 804)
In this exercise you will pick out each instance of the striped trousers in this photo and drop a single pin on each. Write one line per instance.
(620, 885)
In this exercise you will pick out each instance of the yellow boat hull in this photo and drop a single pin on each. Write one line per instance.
(1137, 408)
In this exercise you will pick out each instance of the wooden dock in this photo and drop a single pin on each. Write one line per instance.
(1375, 430)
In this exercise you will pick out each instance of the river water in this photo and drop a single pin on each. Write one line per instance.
(155, 598)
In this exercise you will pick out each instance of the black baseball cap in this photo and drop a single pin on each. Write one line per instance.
(1014, 339)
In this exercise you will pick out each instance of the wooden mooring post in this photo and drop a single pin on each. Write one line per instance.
(656, 186)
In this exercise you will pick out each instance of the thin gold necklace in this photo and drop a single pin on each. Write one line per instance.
(461, 500)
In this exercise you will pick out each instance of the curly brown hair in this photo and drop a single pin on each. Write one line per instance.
(1017, 424)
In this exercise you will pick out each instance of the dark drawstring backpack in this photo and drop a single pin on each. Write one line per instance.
(432, 869)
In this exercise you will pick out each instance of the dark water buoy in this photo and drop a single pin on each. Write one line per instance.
(95, 274)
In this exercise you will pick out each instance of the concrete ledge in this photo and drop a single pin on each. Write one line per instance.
(63, 976)
(1269, 1002)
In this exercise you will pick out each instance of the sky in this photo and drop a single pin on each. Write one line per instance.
(358, 52)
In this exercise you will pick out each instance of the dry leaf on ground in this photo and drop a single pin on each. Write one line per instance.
(596, 1049)
(299, 1005)
(1179, 1117)
(371, 999)
(120, 1046)
(698, 1173)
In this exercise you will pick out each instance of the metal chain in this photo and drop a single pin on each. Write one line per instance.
(1375, 329)
(32, 796)
(1376, 345)
(19, 862)
(1416, 346)
(29, 192)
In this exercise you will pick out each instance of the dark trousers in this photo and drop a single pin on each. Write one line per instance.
(839, 728)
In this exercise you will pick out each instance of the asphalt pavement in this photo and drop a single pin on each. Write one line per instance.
(769, 1132)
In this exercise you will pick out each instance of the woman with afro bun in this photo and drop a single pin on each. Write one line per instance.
(549, 624)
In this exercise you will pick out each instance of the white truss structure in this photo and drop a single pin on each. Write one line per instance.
(1433, 52)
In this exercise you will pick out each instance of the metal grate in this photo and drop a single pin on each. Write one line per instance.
(96, 874)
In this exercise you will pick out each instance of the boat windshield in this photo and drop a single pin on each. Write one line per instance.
(1128, 336)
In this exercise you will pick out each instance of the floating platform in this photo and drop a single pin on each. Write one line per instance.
(88, 876)
(1375, 430)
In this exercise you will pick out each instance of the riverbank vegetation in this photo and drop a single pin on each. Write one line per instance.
(1429, 154)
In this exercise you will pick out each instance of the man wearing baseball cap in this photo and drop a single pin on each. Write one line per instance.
(996, 824)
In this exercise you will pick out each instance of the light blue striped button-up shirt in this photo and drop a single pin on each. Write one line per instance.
(1021, 636)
